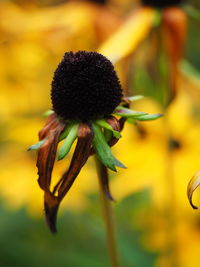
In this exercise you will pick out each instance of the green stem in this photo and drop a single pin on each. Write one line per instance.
(108, 215)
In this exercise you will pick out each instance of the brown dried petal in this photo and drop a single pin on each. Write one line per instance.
(51, 205)
(80, 156)
(52, 122)
(103, 175)
(114, 123)
(47, 154)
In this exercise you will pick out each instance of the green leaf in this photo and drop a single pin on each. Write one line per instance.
(103, 150)
(102, 123)
(128, 113)
(37, 145)
(135, 97)
(72, 131)
(149, 117)
(48, 113)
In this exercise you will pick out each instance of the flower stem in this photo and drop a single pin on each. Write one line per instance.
(108, 215)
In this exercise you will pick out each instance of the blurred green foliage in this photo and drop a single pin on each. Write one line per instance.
(25, 241)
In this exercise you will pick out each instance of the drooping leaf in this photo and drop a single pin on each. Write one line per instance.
(102, 123)
(69, 140)
(103, 150)
(192, 186)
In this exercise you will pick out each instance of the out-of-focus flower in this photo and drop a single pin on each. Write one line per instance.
(170, 20)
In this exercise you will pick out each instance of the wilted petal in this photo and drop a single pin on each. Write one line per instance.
(47, 154)
(52, 122)
(116, 126)
(103, 175)
(193, 184)
(80, 156)
(51, 205)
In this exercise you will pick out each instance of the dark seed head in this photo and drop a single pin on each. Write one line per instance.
(161, 3)
(85, 86)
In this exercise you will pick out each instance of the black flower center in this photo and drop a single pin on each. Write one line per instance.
(161, 3)
(85, 86)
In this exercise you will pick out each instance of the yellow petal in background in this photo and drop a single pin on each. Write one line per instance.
(129, 35)
(192, 186)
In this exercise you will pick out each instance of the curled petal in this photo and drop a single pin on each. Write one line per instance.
(47, 154)
(193, 184)
(52, 122)
(51, 205)
(122, 122)
(103, 175)
(80, 156)
(116, 126)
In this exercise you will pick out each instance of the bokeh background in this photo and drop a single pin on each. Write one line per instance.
(155, 224)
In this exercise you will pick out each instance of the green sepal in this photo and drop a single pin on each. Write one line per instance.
(103, 150)
(37, 145)
(102, 123)
(128, 113)
(135, 97)
(66, 131)
(149, 117)
(48, 113)
(72, 133)
(119, 164)
(107, 135)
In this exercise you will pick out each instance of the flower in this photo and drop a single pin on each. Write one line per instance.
(85, 86)
(85, 93)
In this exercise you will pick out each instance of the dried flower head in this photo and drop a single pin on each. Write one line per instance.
(85, 86)
(161, 3)
(85, 95)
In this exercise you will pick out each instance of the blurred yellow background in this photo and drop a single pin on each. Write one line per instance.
(34, 36)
